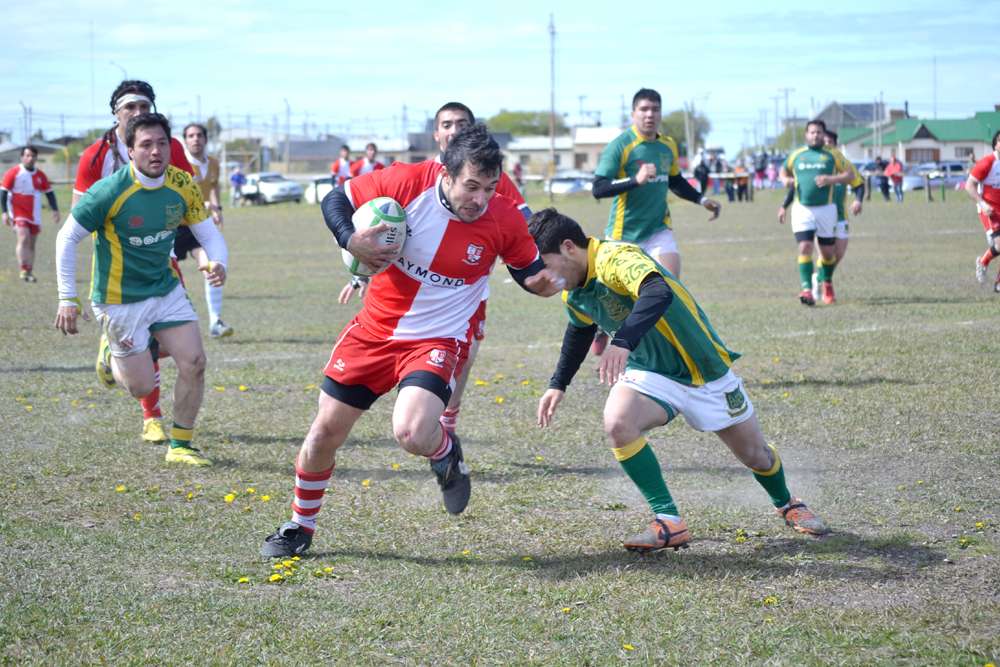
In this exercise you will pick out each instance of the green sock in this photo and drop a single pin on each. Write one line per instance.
(806, 271)
(826, 270)
(181, 436)
(640, 464)
(773, 481)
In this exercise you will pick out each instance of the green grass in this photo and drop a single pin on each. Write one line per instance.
(883, 408)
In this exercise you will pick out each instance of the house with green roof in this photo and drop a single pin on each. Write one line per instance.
(916, 140)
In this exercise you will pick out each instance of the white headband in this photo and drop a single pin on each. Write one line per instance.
(131, 97)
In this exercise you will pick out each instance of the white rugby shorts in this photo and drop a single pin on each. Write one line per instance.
(819, 219)
(127, 325)
(660, 243)
(711, 407)
(841, 230)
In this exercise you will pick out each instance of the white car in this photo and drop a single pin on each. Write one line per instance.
(570, 181)
(318, 188)
(268, 187)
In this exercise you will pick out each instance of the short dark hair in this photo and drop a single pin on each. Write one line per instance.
(646, 94)
(474, 145)
(133, 86)
(30, 148)
(550, 228)
(818, 122)
(145, 120)
(454, 106)
(833, 135)
(371, 144)
(202, 128)
(993, 144)
(345, 147)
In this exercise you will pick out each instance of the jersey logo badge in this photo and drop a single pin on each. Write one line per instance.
(736, 402)
(436, 358)
(173, 213)
(135, 221)
(339, 365)
(473, 254)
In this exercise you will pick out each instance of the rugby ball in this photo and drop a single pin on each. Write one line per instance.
(375, 212)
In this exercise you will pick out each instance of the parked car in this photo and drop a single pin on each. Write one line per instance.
(951, 173)
(318, 188)
(570, 181)
(268, 187)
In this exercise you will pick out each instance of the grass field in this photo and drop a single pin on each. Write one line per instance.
(883, 408)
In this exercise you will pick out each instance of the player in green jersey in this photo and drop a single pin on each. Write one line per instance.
(814, 170)
(665, 359)
(133, 216)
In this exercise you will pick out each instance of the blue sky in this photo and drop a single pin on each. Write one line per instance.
(353, 69)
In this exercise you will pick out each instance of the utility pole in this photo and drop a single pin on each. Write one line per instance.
(624, 116)
(288, 132)
(197, 107)
(934, 84)
(691, 148)
(777, 121)
(404, 126)
(552, 100)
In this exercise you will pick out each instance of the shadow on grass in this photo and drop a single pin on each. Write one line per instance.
(839, 557)
(913, 300)
(243, 340)
(822, 382)
(47, 369)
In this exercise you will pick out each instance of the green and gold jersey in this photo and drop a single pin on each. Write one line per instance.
(642, 211)
(805, 164)
(134, 228)
(682, 345)
(840, 190)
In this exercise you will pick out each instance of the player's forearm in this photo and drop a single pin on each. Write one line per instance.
(3, 200)
(69, 236)
(859, 193)
(655, 296)
(789, 196)
(680, 187)
(211, 239)
(605, 187)
(576, 343)
(521, 275)
(972, 188)
(51, 198)
(337, 211)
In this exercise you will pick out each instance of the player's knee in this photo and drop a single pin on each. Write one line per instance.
(192, 365)
(140, 387)
(408, 437)
(325, 435)
(618, 429)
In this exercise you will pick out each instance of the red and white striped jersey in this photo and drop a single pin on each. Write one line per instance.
(340, 170)
(101, 159)
(987, 172)
(435, 287)
(24, 202)
(363, 166)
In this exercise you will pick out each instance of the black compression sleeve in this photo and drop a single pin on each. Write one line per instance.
(789, 196)
(337, 212)
(655, 297)
(859, 193)
(575, 345)
(3, 199)
(605, 187)
(51, 197)
(680, 187)
(520, 275)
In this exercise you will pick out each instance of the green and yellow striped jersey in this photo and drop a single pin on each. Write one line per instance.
(805, 164)
(682, 345)
(840, 190)
(134, 228)
(642, 211)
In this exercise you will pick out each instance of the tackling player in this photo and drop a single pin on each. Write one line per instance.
(206, 175)
(815, 170)
(133, 216)
(415, 320)
(21, 203)
(101, 159)
(665, 359)
(983, 185)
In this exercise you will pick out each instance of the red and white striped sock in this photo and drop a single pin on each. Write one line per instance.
(449, 418)
(444, 449)
(151, 402)
(309, 490)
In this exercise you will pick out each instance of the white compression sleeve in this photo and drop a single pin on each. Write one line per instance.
(70, 235)
(211, 239)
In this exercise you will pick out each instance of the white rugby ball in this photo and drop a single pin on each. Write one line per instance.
(375, 212)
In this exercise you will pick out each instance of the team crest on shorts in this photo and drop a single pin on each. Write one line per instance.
(736, 402)
(473, 254)
(436, 358)
(173, 213)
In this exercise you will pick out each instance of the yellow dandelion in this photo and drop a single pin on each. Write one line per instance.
(219, 387)
(91, 405)
(964, 542)
(628, 647)
(229, 498)
(296, 557)
(499, 376)
(395, 466)
(288, 563)
(499, 399)
(328, 569)
(466, 552)
(265, 498)
(137, 516)
(481, 383)
(980, 525)
(190, 495)
(901, 487)
(121, 488)
(243, 580)
(275, 577)
(527, 559)
(250, 491)
(776, 360)
(20, 399)
(310, 387)
(75, 402)
(566, 610)
(29, 408)
(786, 394)
(366, 483)
(920, 481)
(277, 566)
(317, 573)
(90, 392)
(770, 601)
(539, 458)
(740, 539)
(525, 383)
(958, 508)
(243, 387)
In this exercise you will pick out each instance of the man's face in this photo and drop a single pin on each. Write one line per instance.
(28, 159)
(449, 123)
(646, 115)
(130, 110)
(562, 264)
(828, 141)
(344, 154)
(815, 136)
(469, 192)
(194, 139)
(151, 151)
(370, 152)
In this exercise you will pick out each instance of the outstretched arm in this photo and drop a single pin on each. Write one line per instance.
(576, 342)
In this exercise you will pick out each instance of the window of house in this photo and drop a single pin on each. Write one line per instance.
(963, 151)
(524, 159)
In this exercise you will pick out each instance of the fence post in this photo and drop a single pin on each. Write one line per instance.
(927, 187)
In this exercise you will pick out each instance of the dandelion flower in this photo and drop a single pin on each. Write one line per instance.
(525, 383)
(310, 387)
(243, 580)
(219, 387)
(296, 557)
(265, 498)
(29, 408)
(366, 483)
(190, 495)
(481, 383)
(288, 563)
(250, 490)
(277, 566)
(275, 577)
(539, 458)
(786, 394)
(137, 516)
(328, 569)
(229, 498)
(527, 559)
(770, 601)
(980, 525)
(466, 552)
(243, 387)
(395, 466)
(958, 508)
(628, 647)
(121, 488)
(499, 399)
(566, 610)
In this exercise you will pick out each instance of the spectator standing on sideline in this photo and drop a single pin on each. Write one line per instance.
(894, 172)
(236, 182)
